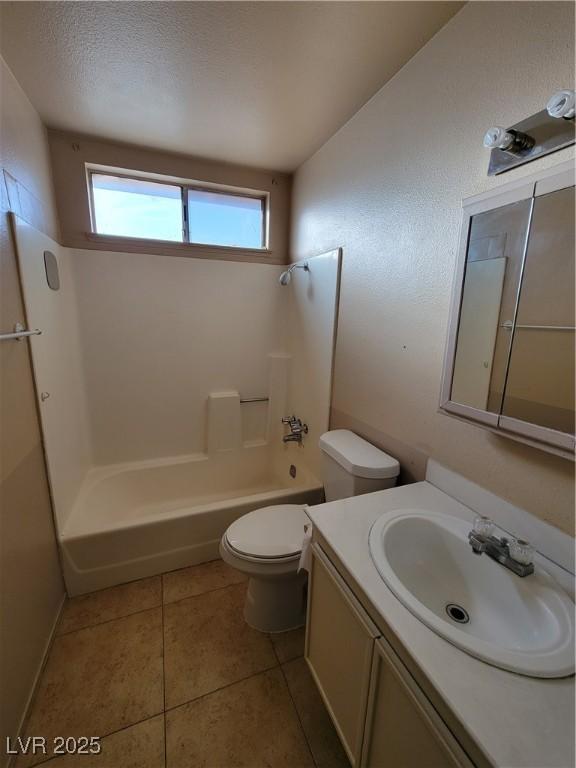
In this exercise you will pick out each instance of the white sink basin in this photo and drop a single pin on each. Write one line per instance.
(525, 625)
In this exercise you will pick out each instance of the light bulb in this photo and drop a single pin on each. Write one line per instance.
(498, 138)
(562, 104)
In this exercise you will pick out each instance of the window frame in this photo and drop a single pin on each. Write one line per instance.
(185, 186)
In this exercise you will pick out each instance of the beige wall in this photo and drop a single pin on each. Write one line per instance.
(70, 153)
(387, 188)
(31, 587)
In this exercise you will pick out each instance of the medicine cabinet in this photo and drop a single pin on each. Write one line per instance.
(509, 363)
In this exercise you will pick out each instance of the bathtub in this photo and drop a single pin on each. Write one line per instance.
(140, 519)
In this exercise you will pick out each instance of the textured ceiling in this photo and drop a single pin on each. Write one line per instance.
(259, 83)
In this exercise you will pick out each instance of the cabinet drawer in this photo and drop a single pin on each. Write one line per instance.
(339, 645)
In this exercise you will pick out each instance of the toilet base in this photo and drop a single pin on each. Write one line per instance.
(276, 605)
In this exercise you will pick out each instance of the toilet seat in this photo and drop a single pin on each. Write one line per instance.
(269, 534)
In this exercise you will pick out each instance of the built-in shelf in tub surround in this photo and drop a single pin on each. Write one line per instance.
(224, 431)
(498, 717)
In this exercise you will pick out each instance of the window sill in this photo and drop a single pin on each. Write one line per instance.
(171, 248)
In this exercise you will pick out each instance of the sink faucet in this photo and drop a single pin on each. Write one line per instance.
(514, 554)
(297, 430)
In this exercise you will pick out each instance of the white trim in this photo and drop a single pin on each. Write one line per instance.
(538, 176)
(561, 440)
(516, 437)
(498, 198)
(561, 180)
(486, 418)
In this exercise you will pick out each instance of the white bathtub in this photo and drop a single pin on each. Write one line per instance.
(139, 519)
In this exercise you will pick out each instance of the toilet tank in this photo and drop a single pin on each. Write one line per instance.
(352, 466)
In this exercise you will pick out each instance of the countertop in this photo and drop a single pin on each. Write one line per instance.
(500, 718)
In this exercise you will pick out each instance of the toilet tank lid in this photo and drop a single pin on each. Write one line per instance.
(358, 457)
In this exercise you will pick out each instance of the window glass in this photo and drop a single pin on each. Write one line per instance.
(136, 208)
(217, 218)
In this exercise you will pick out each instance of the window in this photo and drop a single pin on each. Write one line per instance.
(220, 219)
(136, 208)
(155, 210)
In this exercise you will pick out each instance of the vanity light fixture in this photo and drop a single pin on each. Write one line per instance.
(540, 134)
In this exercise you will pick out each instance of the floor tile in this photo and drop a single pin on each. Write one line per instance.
(198, 579)
(250, 724)
(321, 734)
(207, 644)
(139, 746)
(100, 679)
(111, 603)
(289, 645)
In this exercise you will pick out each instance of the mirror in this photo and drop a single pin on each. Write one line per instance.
(540, 385)
(510, 356)
(493, 266)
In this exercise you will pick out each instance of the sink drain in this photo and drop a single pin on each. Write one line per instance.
(457, 613)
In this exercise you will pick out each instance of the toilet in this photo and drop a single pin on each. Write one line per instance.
(266, 544)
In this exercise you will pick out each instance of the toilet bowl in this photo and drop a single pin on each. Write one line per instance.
(266, 543)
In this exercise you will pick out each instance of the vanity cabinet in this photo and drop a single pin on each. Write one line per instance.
(382, 717)
(402, 728)
(339, 647)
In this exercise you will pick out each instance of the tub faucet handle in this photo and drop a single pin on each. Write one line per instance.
(297, 430)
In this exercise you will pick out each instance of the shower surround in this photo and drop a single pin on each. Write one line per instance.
(145, 477)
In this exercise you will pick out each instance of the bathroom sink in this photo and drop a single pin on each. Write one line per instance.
(522, 624)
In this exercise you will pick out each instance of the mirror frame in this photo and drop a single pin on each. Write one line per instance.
(529, 188)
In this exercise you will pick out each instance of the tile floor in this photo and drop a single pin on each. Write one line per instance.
(168, 674)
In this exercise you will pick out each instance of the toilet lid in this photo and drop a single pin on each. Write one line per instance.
(269, 532)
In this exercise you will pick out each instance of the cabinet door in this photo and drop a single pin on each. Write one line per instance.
(402, 728)
(339, 645)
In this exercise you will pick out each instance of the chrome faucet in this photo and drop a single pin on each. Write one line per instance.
(297, 430)
(514, 554)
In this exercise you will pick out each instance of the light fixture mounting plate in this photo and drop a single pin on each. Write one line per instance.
(549, 133)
